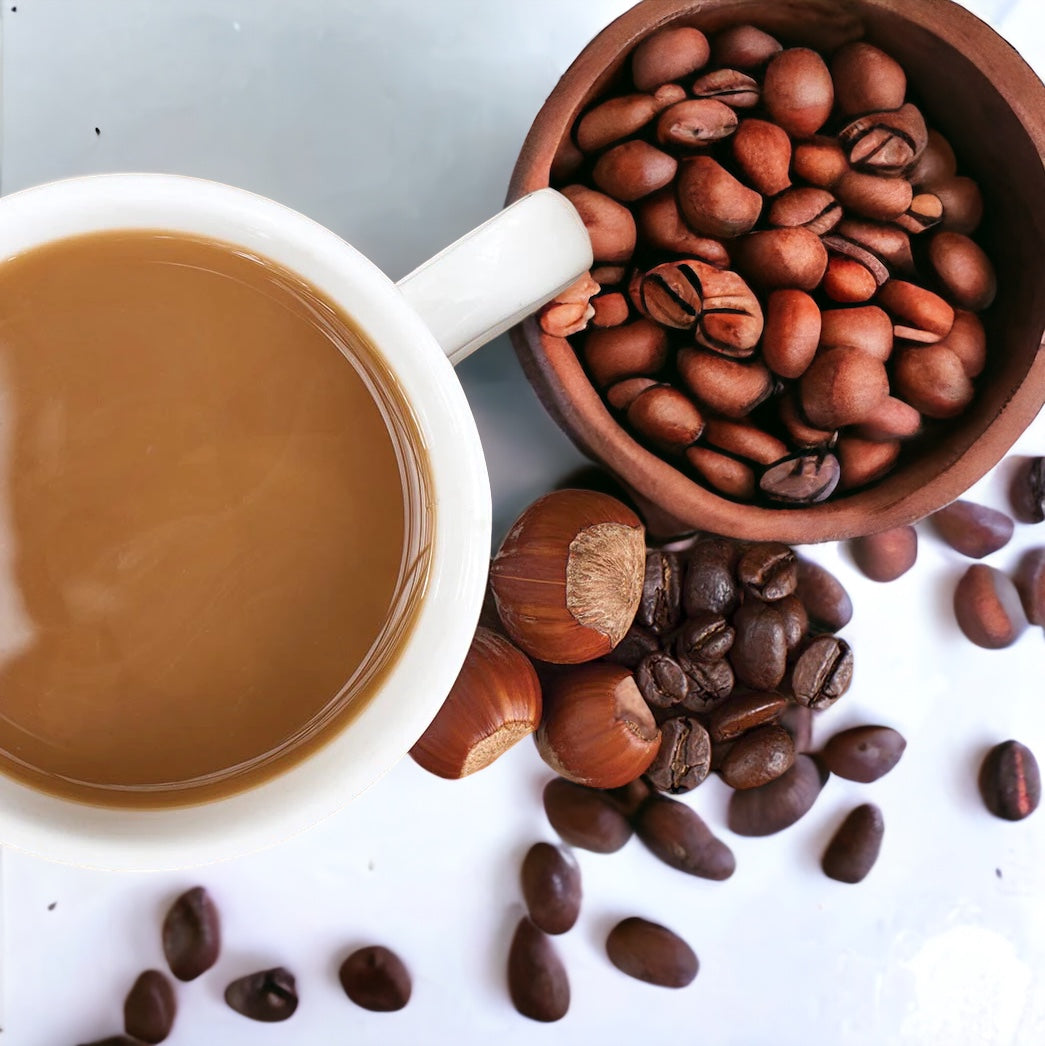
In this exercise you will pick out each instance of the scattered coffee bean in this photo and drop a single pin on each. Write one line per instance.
(537, 981)
(1010, 781)
(828, 604)
(1030, 583)
(1027, 492)
(267, 996)
(971, 529)
(650, 952)
(797, 720)
(628, 798)
(683, 760)
(988, 608)
(854, 848)
(376, 979)
(551, 886)
(150, 1006)
(676, 834)
(863, 753)
(192, 934)
(585, 817)
(758, 757)
(823, 672)
(779, 803)
(887, 555)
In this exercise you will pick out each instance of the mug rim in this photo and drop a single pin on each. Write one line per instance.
(424, 668)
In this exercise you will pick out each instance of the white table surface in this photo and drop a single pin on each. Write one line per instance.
(397, 124)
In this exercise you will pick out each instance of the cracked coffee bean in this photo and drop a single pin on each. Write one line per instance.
(863, 753)
(661, 680)
(1010, 781)
(676, 834)
(823, 672)
(683, 760)
(854, 847)
(585, 817)
(652, 953)
(710, 683)
(192, 934)
(376, 979)
(150, 1007)
(758, 757)
(704, 637)
(769, 570)
(268, 995)
(778, 804)
(537, 981)
(551, 887)
(660, 608)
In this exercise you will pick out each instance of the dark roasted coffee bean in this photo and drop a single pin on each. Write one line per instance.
(1010, 781)
(268, 995)
(376, 979)
(676, 834)
(759, 653)
(796, 621)
(150, 1006)
(660, 608)
(1030, 583)
(661, 680)
(551, 887)
(636, 644)
(743, 712)
(854, 848)
(191, 934)
(704, 637)
(971, 529)
(652, 953)
(797, 720)
(758, 757)
(769, 570)
(710, 683)
(585, 817)
(710, 582)
(684, 757)
(805, 479)
(988, 608)
(537, 981)
(823, 672)
(887, 555)
(828, 604)
(114, 1040)
(1027, 493)
(863, 753)
(777, 805)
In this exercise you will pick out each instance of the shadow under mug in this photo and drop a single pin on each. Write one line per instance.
(473, 290)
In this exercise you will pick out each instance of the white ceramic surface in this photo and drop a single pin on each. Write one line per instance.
(945, 940)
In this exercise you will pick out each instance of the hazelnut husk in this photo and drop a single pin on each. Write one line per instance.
(494, 702)
(568, 577)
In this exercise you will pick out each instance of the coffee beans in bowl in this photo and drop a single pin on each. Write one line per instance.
(798, 251)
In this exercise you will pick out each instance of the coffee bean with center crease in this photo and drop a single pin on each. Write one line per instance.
(743, 712)
(551, 887)
(758, 757)
(777, 805)
(769, 570)
(704, 637)
(710, 582)
(826, 601)
(823, 672)
(652, 953)
(268, 995)
(376, 979)
(683, 760)
(191, 934)
(676, 834)
(150, 1006)
(854, 847)
(661, 680)
(1010, 781)
(537, 980)
(585, 817)
(759, 652)
(804, 479)
(1027, 491)
(863, 753)
(660, 608)
(710, 683)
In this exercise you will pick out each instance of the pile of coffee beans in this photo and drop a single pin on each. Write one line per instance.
(785, 290)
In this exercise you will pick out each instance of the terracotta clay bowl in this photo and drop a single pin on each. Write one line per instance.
(987, 101)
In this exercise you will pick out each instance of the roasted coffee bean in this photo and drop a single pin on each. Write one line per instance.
(804, 479)
(728, 386)
(652, 953)
(666, 417)
(609, 309)
(585, 817)
(778, 804)
(932, 380)
(887, 555)
(782, 258)
(885, 142)
(971, 529)
(936, 164)
(962, 204)
(150, 1006)
(191, 934)
(376, 978)
(731, 322)
(745, 441)
(820, 162)
(849, 280)
(926, 210)
(867, 328)
(826, 601)
(704, 637)
(863, 753)
(988, 608)
(759, 652)
(862, 461)
(1030, 583)
(710, 582)
(684, 757)
(791, 335)
(823, 672)
(918, 314)
(887, 241)
(635, 349)
(637, 643)
(731, 86)
(537, 981)
(963, 269)
(551, 887)
(759, 756)
(710, 683)
(628, 798)
(660, 609)
(671, 293)
(610, 224)
(892, 419)
(798, 429)
(661, 680)
(796, 621)
(669, 54)
(744, 47)
(613, 120)
(842, 386)
(769, 570)
(797, 720)
(675, 833)
(763, 154)
(866, 79)
(814, 209)
(744, 712)
(624, 393)
(1027, 492)
(713, 202)
(797, 91)
(854, 848)
(1010, 781)
(633, 169)
(268, 995)
(114, 1040)
(663, 228)
(879, 197)
(695, 122)
(728, 476)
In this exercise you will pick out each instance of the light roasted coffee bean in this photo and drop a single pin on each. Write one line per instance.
(268, 995)
(713, 201)
(730, 387)
(866, 79)
(863, 753)
(887, 555)
(964, 270)
(666, 417)
(551, 887)
(726, 475)
(683, 760)
(862, 461)
(676, 834)
(892, 419)
(696, 122)
(1010, 781)
(731, 320)
(855, 846)
(1030, 583)
(968, 341)
(731, 86)
(192, 934)
(798, 91)
(758, 757)
(820, 162)
(842, 386)
(814, 209)
(779, 803)
(971, 529)
(538, 984)
(822, 673)
(936, 164)
(799, 430)
(744, 441)
(849, 280)
(962, 204)
(778, 258)
(762, 151)
(879, 197)
(585, 817)
(886, 241)
(988, 608)
(885, 142)
(613, 120)
(635, 349)
(932, 380)
(744, 47)
(621, 395)
(610, 224)
(150, 1007)
(791, 335)
(652, 953)
(663, 228)
(669, 54)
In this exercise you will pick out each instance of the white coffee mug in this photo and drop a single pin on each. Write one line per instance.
(473, 290)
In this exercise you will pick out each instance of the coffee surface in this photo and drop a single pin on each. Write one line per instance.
(203, 523)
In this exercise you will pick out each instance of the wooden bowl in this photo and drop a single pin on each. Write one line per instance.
(978, 92)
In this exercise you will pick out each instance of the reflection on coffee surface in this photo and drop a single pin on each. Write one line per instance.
(211, 523)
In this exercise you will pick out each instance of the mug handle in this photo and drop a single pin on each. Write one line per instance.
(500, 272)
